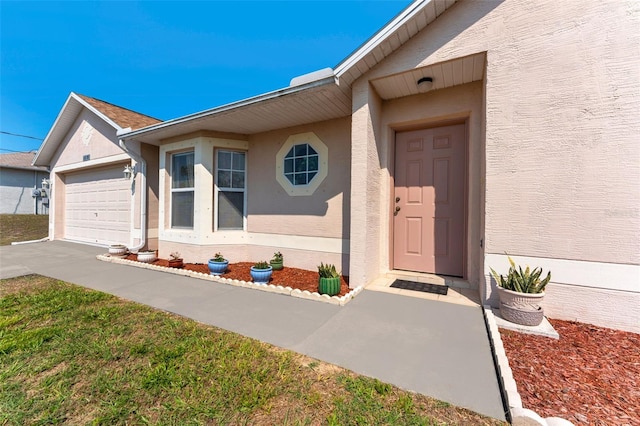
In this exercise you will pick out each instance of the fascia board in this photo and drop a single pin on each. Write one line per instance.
(379, 37)
(54, 135)
(228, 107)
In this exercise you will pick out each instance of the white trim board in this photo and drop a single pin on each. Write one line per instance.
(298, 242)
(104, 161)
(611, 276)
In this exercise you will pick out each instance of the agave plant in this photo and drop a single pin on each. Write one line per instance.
(327, 271)
(527, 281)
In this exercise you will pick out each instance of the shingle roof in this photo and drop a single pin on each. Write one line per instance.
(121, 116)
(19, 160)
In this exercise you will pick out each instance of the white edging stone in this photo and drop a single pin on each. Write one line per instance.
(520, 416)
(277, 289)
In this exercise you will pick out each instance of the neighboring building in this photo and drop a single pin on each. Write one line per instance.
(91, 201)
(19, 181)
(459, 132)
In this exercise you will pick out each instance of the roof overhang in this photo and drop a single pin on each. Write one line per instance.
(318, 100)
(318, 96)
(67, 116)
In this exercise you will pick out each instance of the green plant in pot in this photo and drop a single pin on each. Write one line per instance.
(521, 292)
(329, 281)
(277, 262)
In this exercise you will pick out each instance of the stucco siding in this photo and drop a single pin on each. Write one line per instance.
(16, 187)
(325, 213)
(89, 135)
(562, 95)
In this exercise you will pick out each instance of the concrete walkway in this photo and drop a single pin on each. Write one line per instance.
(434, 348)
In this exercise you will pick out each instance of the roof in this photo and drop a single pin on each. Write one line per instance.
(123, 117)
(314, 97)
(20, 160)
(117, 117)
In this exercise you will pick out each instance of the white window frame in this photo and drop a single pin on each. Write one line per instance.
(314, 141)
(175, 190)
(217, 189)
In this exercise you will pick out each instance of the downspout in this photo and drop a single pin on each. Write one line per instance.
(143, 190)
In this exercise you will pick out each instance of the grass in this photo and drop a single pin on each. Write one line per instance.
(72, 355)
(22, 227)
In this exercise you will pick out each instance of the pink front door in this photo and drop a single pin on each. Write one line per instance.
(429, 200)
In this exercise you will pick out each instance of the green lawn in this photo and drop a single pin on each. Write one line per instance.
(71, 355)
(22, 227)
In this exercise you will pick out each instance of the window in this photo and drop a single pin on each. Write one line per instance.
(230, 189)
(301, 164)
(182, 190)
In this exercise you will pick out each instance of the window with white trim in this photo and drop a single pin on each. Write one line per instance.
(182, 190)
(302, 164)
(230, 189)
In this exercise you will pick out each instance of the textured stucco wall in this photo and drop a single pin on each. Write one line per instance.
(89, 135)
(562, 95)
(366, 223)
(16, 187)
(325, 213)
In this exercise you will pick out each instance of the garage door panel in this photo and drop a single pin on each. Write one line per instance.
(98, 206)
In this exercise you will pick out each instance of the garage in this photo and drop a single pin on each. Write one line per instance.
(98, 206)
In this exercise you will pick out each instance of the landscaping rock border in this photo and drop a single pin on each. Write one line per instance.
(315, 296)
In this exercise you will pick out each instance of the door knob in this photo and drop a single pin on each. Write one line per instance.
(397, 208)
(395, 213)
(397, 199)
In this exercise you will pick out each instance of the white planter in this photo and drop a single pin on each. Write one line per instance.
(117, 250)
(521, 308)
(146, 256)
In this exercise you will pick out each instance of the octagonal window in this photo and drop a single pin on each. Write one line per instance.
(301, 164)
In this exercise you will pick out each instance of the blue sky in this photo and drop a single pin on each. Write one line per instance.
(165, 59)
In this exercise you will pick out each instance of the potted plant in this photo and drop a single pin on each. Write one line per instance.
(521, 293)
(218, 264)
(329, 281)
(146, 256)
(277, 262)
(261, 272)
(175, 261)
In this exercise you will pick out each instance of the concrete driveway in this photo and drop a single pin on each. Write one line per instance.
(434, 348)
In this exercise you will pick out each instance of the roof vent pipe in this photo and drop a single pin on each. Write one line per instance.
(143, 189)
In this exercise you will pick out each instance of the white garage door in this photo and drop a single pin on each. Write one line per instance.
(97, 206)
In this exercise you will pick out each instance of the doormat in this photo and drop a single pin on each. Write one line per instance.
(426, 288)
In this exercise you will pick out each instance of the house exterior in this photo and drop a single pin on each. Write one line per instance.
(91, 201)
(18, 182)
(461, 131)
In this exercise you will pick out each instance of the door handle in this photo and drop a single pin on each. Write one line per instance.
(397, 208)
(395, 213)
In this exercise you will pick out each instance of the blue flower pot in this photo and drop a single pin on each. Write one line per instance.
(217, 268)
(261, 276)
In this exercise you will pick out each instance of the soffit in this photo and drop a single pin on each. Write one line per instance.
(276, 110)
(444, 74)
(393, 35)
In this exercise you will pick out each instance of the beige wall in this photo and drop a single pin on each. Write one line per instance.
(89, 135)
(556, 143)
(323, 214)
(561, 121)
(306, 229)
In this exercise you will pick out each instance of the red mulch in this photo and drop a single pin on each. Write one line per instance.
(286, 277)
(590, 376)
